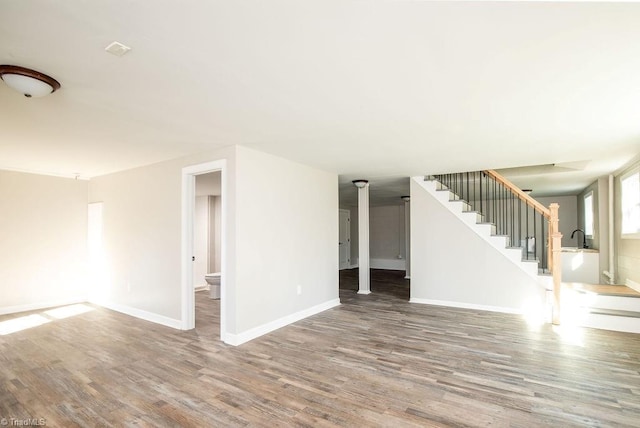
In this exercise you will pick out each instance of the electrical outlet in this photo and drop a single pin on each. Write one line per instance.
(299, 289)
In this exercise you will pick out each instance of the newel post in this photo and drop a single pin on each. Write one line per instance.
(556, 249)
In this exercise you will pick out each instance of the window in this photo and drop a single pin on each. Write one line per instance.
(630, 197)
(588, 215)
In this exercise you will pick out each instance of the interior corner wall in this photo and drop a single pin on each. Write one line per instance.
(568, 215)
(452, 265)
(43, 241)
(142, 237)
(286, 239)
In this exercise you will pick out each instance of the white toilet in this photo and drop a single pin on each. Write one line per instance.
(213, 279)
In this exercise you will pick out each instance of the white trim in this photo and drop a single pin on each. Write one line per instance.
(239, 339)
(388, 264)
(188, 205)
(139, 313)
(633, 285)
(41, 305)
(466, 306)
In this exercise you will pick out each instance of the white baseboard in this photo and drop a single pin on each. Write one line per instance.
(388, 264)
(466, 306)
(239, 339)
(633, 285)
(139, 313)
(40, 305)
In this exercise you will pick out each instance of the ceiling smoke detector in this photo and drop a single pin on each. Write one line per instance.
(117, 49)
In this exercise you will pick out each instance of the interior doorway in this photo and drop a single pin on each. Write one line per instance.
(344, 239)
(204, 251)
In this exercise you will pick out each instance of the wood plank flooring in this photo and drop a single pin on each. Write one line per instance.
(376, 360)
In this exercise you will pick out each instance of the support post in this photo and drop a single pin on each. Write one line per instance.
(364, 286)
(556, 248)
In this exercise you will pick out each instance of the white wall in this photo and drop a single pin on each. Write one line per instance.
(452, 265)
(386, 237)
(287, 237)
(43, 236)
(281, 230)
(142, 237)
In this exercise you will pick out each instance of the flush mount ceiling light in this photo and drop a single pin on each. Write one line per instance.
(360, 183)
(28, 82)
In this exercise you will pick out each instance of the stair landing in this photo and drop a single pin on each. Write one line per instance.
(603, 290)
(608, 307)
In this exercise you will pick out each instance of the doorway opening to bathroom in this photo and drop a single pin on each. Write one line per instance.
(203, 249)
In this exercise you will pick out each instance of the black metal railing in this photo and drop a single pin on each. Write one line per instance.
(513, 215)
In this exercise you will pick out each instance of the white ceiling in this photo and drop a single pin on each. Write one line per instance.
(368, 89)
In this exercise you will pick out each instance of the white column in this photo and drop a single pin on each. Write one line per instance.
(407, 237)
(364, 286)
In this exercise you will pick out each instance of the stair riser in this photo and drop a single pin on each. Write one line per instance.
(588, 300)
(609, 322)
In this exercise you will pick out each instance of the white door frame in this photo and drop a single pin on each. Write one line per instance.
(348, 243)
(188, 209)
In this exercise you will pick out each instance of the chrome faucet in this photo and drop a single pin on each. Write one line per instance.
(584, 238)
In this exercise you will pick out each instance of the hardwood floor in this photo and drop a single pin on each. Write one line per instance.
(376, 360)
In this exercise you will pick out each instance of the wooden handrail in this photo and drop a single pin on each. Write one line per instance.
(514, 189)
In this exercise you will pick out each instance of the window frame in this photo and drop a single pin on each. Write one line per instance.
(623, 177)
(588, 235)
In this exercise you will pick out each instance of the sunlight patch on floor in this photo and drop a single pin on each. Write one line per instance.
(68, 311)
(22, 323)
(34, 320)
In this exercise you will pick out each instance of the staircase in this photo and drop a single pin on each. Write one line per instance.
(493, 214)
(522, 231)
(464, 255)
